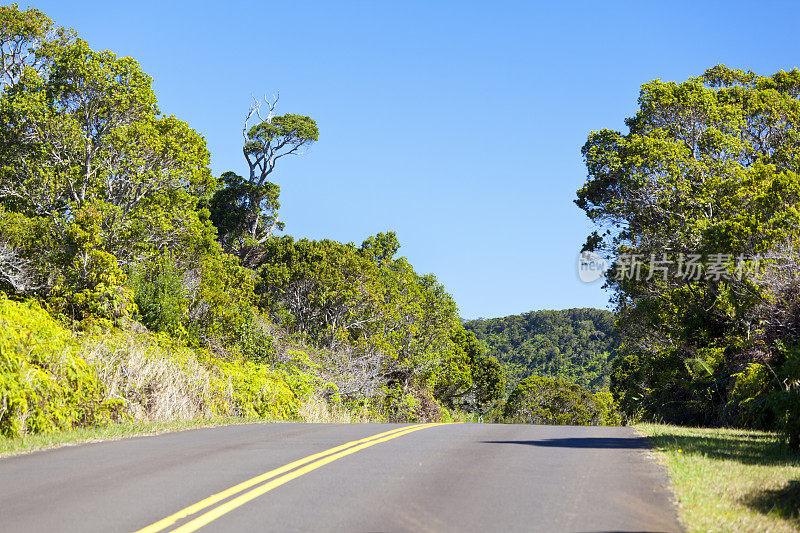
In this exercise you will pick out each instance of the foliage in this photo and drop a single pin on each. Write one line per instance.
(400, 329)
(91, 175)
(575, 344)
(707, 172)
(158, 293)
(256, 344)
(546, 400)
(241, 204)
(220, 295)
(747, 397)
(44, 384)
(245, 210)
(261, 392)
(468, 379)
(785, 400)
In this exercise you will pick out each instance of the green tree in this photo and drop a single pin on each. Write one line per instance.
(385, 327)
(245, 210)
(545, 400)
(708, 173)
(92, 176)
(467, 378)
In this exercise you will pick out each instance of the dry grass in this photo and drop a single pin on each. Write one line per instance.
(730, 480)
(169, 384)
(317, 411)
(157, 385)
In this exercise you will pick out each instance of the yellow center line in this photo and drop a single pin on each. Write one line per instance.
(229, 506)
(215, 498)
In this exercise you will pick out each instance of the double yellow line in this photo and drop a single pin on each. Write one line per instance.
(302, 466)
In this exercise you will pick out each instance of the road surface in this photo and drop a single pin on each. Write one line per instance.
(344, 477)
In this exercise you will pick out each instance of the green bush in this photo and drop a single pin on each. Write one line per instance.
(747, 399)
(221, 301)
(158, 293)
(546, 400)
(770, 399)
(256, 345)
(413, 405)
(90, 283)
(44, 385)
(785, 402)
(258, 392)
(270, 392)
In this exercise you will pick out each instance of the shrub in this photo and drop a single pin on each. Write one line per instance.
(90, 284)
(785, 402)
(263, 391)
(256, 344)
(44, 385)
(220, 294)
(158, 293)
(747, 399)
(545, 400)
(413, 405)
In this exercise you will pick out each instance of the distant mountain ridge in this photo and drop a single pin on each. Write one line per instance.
(576, 344)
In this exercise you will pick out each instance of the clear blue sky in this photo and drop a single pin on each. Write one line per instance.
(456, 124)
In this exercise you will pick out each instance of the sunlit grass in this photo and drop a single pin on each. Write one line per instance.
(730, 480)
(312, 411)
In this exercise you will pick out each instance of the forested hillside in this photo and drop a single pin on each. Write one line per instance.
(576, 344)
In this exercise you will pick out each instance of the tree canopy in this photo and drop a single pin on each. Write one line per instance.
(92, 176)
(546, 400)
(575, 344)
(401, 329)
(245, 209)
(698, 209)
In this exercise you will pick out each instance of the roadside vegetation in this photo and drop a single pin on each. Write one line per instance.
(137, 288)
(697, 209)
(546, 400)
(55, 439)
(730, 479)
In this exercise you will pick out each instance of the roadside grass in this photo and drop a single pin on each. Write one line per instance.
(730, 479)
(119, 430)
(311, 411)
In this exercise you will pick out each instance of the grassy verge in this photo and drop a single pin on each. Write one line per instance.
(30, 443)
(730, 480)
(311, 411)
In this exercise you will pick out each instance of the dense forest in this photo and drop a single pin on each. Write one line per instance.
(135, 284)
(697, 209)
(573, 344)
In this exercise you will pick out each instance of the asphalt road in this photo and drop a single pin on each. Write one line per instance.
(457, 477)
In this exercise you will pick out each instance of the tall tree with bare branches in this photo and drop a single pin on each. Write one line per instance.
(245, 210)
